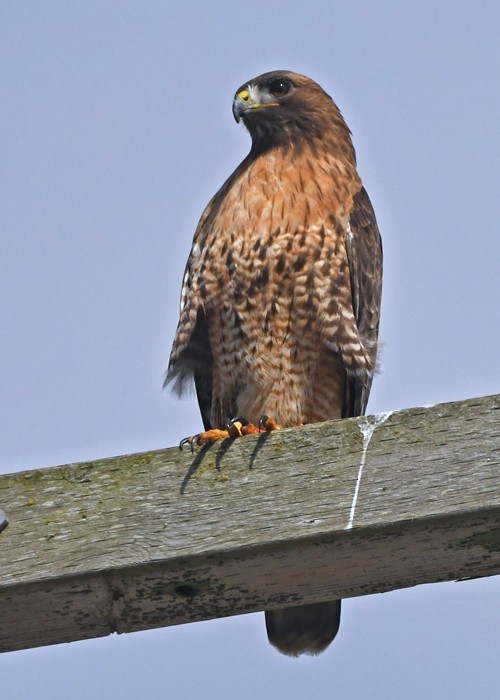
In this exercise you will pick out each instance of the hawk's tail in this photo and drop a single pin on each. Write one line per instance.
(306, 629)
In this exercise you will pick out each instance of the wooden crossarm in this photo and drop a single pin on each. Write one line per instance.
(330, 510)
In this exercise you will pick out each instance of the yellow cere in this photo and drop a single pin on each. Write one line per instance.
(252, 98)
(244, 95)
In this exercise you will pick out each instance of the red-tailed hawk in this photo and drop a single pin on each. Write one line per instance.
(281, 294)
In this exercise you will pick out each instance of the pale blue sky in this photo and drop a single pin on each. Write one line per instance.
(116, 129)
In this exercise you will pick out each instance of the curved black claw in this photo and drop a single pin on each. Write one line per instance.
(267, 424)
(191, 441)
(235, 426)
(263, 422)
(238, 419)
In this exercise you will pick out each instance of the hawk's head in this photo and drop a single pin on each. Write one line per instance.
(282, 108)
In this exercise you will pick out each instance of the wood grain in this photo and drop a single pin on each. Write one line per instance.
(330, 510)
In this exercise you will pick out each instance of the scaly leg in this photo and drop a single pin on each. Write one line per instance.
(236, 427)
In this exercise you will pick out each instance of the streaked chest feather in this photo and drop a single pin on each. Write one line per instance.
(279, 233)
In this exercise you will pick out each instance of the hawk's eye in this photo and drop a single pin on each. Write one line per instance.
(280, 87)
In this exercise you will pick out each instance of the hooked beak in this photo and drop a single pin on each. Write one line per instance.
(245, 101)
(242, 103)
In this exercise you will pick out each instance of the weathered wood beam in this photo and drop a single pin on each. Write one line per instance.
(330, 510)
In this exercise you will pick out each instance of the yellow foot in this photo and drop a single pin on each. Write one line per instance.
(237, 427)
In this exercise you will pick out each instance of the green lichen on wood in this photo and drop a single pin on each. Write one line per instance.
(165, 537)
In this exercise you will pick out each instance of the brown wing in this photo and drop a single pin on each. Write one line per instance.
(191, 355)
(364, 249)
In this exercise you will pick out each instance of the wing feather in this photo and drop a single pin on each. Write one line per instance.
(364, 249)
(191, 354)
